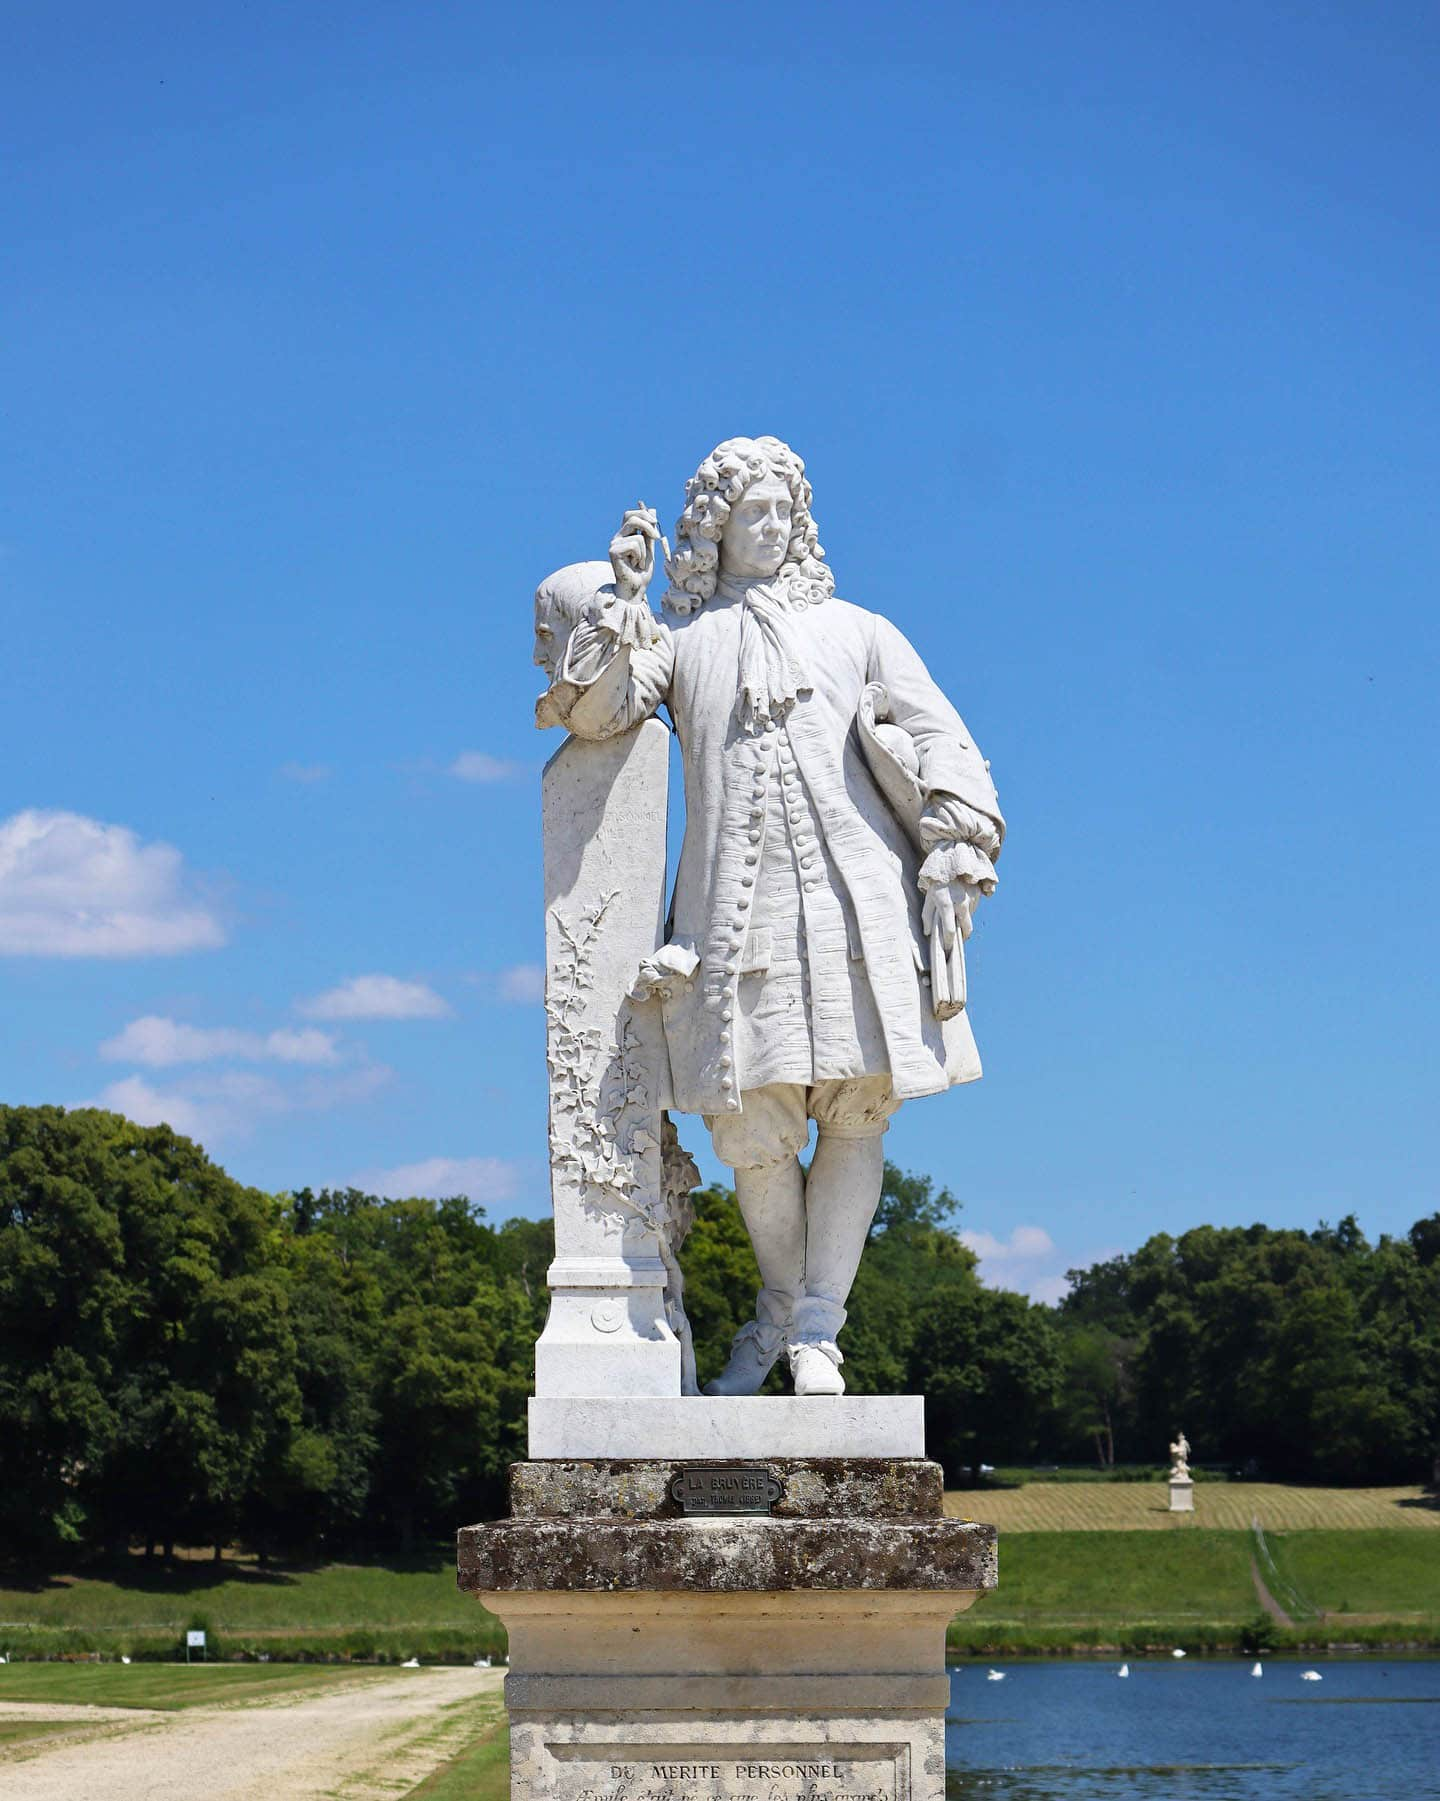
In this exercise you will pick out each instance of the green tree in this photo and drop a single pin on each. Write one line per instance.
(1098, 1389)
(989, 1364)
(147, 1377)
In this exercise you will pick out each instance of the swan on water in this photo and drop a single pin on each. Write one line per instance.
(1311, 1676)
(1124, 1670)
(1256, 1670)
(995, 1676)
(1177, 1652)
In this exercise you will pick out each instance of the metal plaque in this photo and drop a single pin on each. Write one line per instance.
(725, 1488)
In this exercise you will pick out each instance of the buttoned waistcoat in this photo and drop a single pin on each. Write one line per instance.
(692, 669)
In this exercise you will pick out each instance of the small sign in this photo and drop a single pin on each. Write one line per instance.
(195, 1641)
(725, 1488)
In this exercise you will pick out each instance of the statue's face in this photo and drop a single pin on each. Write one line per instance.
(758, 529)
(552, 634)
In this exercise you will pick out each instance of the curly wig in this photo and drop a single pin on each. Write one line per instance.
(717, 486)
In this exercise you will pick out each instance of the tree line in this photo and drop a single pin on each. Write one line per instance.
(186, 1360)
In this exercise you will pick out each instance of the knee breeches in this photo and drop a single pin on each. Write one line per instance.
(774, 1122)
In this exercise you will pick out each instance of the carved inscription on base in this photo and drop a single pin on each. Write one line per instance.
(709, 1773)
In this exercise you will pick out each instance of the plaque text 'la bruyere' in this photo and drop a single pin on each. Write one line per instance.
(725, 1488)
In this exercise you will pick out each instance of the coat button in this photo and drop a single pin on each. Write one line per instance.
(732, 1105)
(726, 1083)
(724, 1063)
(754, 838)
(748, 881)
(727, 1013)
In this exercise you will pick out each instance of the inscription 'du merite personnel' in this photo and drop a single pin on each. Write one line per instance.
(735, 1779)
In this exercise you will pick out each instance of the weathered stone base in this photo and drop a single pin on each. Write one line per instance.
(655, 1658)
(1182, 1496)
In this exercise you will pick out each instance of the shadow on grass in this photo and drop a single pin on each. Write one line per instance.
(190, 1576)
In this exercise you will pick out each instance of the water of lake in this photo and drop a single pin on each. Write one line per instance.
(1195, 1731)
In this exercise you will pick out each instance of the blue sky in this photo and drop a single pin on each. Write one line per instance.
(1109, 335)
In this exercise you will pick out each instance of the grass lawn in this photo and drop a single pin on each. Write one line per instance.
(480, 1773)
(1364, 1575)
(168, 1686)
(395, 1610)
(238, 1595)
(1079, 1561)
(16, 1732)
(1227, 1506)
(1075, 1578)
(1067, 1590)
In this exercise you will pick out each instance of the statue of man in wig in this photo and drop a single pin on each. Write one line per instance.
(840, 827)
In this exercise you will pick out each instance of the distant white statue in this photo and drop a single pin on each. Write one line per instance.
(840, 828)
(1180, 1459)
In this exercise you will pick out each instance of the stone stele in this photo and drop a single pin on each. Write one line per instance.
(604, 810)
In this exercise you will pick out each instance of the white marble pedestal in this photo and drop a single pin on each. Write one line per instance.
(715, 1427)
(1182, 1495)
(708, 1659)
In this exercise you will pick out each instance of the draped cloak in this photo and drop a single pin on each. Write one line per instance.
(603, 690)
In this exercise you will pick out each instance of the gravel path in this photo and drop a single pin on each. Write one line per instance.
(356, 1743)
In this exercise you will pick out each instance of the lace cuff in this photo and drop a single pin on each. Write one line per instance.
(948, 819)
(958, 863)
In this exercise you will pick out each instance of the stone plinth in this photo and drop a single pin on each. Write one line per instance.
(693, 1659)
(700, 1427)
(1182, 1495)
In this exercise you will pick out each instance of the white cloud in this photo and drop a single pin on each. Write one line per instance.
(75, 887)
(158, 1043)
(1049, 1290)
(478, 766)
(229, 1104)
(1030, 1261)
(1024, 1245)
(223, 1106)
(307, 773)
(306, 1045)
(376, 997)
(479, 1178)
(522, 982)
(149, 1106)
(1024, 1261)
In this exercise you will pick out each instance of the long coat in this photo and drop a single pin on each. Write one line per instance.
(692, 669)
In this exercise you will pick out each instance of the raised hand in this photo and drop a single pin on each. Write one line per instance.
(632, 551)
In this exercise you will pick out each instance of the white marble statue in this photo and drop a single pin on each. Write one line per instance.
(1180, 1459)
(840, 828)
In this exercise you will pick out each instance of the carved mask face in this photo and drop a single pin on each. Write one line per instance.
(552, 634)
(758, 529)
